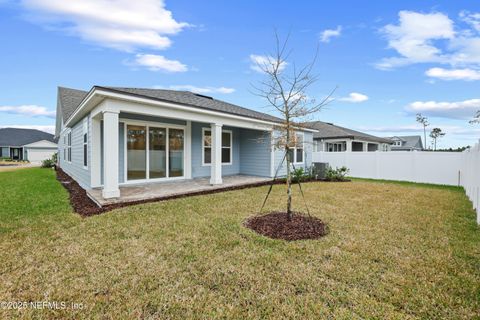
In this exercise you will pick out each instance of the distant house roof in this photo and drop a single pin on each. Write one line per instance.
(408, 142)
(70, 99)
(330, 131)
(15, 137)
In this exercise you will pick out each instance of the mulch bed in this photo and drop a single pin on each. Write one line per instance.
(84, 206)
(276, 225)
(79, 199)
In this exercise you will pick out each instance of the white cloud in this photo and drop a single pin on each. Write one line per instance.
(413, 38)
(327, 34)
(453, 74)
(120, 24)
(473, 19)
(28, 110)
(155, 62)
(260, 63)
(49, 129)
(355, 97)
(451, 110)
(201, 90)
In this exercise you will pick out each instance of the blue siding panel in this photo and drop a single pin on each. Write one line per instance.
(141, 117)
(308, 154)
(255, 153)
(198, 170)
(75, 169)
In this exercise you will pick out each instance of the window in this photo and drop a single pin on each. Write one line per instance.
(85, 145)
(69, 147)
(299, 149)
(336, 146)
(296, 152)
(398, 143)
(226, 147)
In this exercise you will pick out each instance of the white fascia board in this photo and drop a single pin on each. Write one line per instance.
(174, 111)
(95, 96)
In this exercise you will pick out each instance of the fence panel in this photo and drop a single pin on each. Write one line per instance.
(449, 168)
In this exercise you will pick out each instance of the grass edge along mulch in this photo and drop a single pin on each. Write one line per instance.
(276, 225)
(85, 206)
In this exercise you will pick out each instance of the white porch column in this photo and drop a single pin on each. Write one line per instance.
(349, 145)
(95, 160)
(216, 163)
(110, 155)
(188, 150)
(365, 147)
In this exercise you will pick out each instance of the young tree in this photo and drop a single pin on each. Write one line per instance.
(476, 118)
(286, 93)
(435, 134)
(424, 122)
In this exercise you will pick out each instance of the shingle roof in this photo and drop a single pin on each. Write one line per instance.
(331, 131)
(409, 142)
(71, 98)
(16, 137)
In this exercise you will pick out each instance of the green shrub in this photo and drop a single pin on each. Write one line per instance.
(337, 174)
(50, 163)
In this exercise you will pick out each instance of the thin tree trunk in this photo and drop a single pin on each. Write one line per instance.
(289, 187)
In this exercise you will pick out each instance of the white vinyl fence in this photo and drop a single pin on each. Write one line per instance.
(449, 168)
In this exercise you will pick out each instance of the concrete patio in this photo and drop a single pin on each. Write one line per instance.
(159, 190)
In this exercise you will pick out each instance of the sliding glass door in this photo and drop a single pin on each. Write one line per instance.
(157, 150)
(136, 153)
(156, 156)
(175, 154)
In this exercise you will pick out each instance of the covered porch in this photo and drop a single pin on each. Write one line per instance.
(163, 190)
(141, 151)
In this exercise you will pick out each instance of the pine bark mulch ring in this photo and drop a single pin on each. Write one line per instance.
(275, 225)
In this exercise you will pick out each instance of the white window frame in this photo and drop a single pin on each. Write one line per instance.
(203, 147)
(147, 125)
(398, 143)
(295, 149)
(85, 143)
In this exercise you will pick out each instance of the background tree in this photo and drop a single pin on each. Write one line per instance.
(435, 134)
(424, 122)
(285, 90)
(476, 118)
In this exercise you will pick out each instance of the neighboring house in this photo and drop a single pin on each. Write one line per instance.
(26, 144)
(332, 138)
(111, 136)
(407, 143)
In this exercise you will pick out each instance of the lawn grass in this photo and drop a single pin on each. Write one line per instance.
(394, 251)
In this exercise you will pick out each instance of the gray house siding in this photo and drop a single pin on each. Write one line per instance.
(75, 169)
(198, 170)
(140, 117)
(255, 153)
(308, 154)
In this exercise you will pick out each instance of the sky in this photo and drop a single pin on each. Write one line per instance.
(389, 60)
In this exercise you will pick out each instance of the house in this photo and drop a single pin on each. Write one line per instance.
(111, 137)
(407, 143)
(26, 144)
(333, 138)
